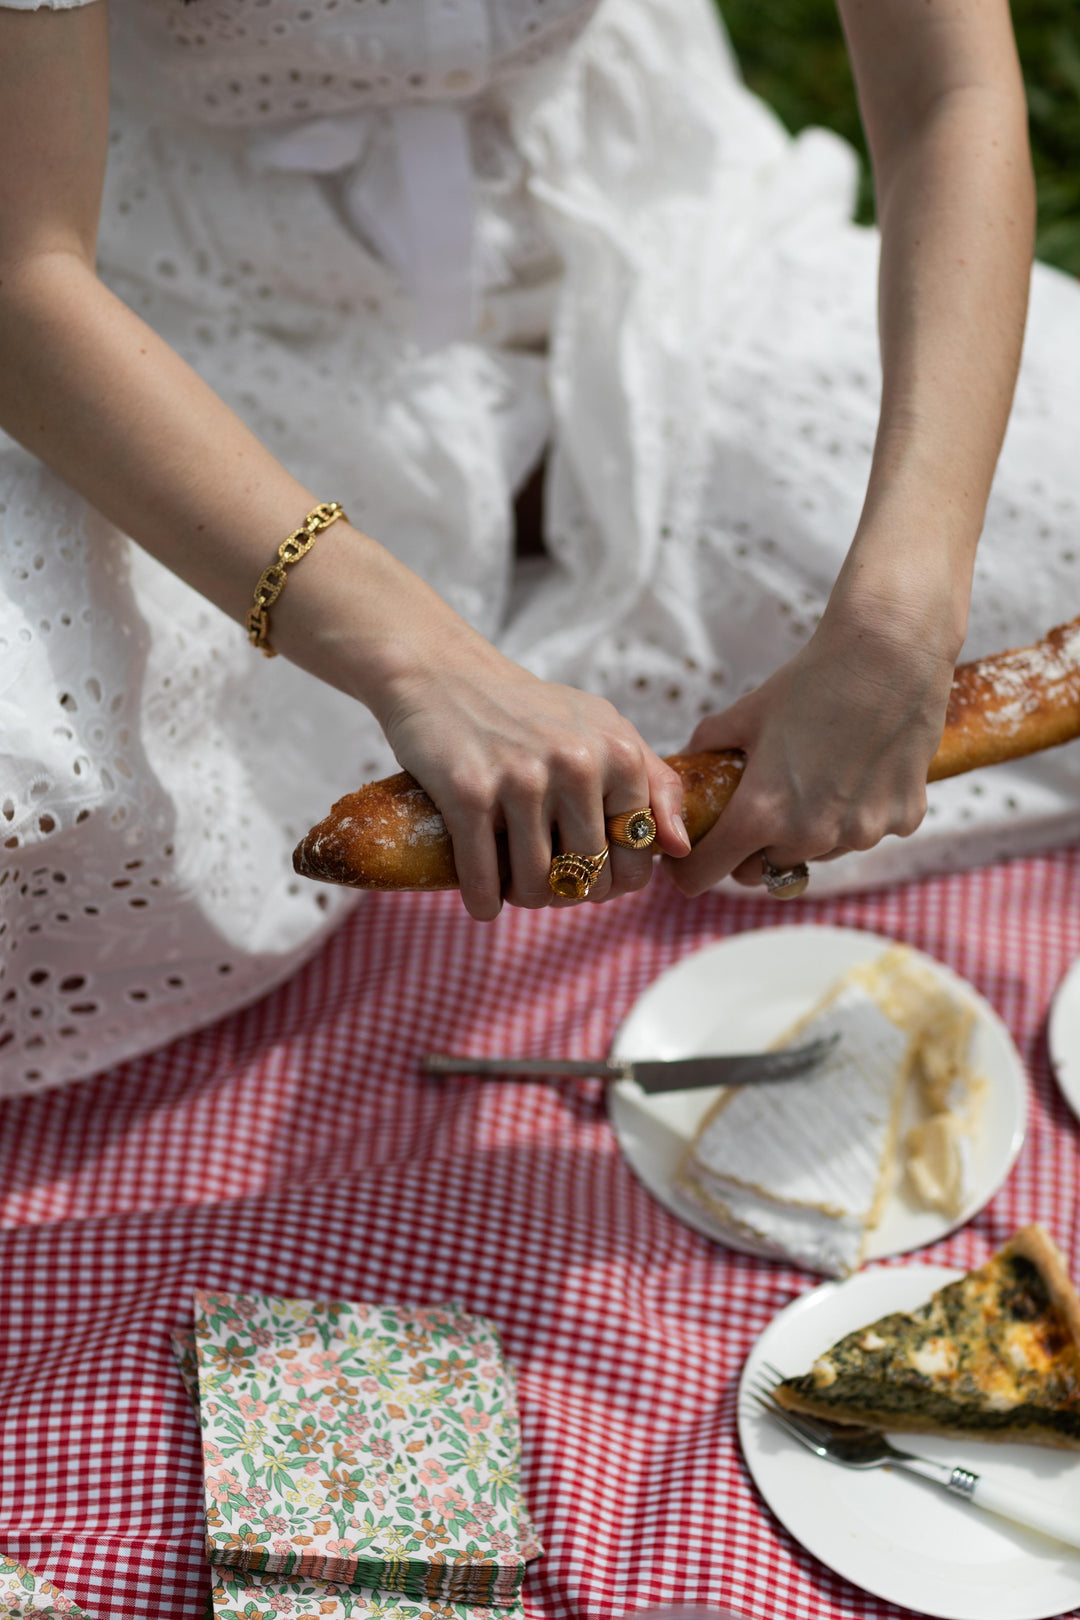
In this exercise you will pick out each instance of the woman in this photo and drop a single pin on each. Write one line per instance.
(385, 254)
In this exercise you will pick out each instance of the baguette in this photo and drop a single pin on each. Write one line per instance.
(389, 835)
(1012, 704)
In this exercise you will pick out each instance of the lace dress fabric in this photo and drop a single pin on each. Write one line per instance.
(666, 292)
(243, 63)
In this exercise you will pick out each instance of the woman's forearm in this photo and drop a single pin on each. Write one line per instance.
(87, 387)
(101, 399)
(957, 230)
(956, 211)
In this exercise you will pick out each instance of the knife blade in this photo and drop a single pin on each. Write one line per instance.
(651, 1074)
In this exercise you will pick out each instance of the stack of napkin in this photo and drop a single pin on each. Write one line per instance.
(359, 1459)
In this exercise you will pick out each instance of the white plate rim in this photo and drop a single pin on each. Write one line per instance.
(1063, 1036)
(623, 1096)
(908, 1286)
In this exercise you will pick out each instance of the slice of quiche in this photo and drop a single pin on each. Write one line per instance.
(992, 1356)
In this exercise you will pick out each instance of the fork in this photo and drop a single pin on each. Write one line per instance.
(855, 1447)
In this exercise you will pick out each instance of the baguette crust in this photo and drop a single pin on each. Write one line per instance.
(708, 780)
(389, 835)
(1015, 703)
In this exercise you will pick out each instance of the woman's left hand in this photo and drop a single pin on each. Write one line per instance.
(838, 743)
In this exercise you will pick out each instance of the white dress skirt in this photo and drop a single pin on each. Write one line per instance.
(415, 244)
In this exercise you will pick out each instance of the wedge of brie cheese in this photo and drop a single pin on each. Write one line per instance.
(801, 1168)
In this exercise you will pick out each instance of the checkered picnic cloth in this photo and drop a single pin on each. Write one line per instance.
(295, 1149)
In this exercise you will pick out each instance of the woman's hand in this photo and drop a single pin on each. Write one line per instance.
(166, 460)
(497, 749)
(838, 743)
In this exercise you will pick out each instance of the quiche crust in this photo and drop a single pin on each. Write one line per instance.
(1038, 1247)
(994, 1355)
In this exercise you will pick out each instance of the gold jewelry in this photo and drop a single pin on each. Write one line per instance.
(572, 876)
(634, 829)
(272, 579)
(785, 882)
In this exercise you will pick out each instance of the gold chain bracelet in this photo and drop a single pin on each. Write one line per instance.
(272, 579)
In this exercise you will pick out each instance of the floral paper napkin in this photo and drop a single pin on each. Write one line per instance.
(255, 1596)
(362, 1445)
(26, 1596)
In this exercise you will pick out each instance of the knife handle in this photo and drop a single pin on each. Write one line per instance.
(560, 1068)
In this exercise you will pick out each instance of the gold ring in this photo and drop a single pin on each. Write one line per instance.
(785, 882)
(572, 876)
(634, 829)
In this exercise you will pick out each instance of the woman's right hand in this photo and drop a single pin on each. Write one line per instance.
(499, 750)
(168, 463)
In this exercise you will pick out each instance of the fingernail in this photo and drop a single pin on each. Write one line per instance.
(682, 835)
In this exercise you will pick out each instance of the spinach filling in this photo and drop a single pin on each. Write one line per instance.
(885, 1380)
(941, 1409)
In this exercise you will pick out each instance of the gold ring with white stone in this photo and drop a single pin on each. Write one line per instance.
(785, 882)
(572, 876)
(633, 829)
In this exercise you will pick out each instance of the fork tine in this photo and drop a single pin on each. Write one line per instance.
(798, 1423)
(767, 1405)
(767, 1389)
(791, 1426)
(764, 1382)
(763, 1395)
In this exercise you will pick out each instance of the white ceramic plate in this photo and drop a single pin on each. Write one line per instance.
(743, 993)
(898, 1537)
(1063, 1036)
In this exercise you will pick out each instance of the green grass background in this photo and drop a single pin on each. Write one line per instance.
(792, 53)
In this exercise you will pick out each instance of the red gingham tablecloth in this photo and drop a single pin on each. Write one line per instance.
(294, 1148)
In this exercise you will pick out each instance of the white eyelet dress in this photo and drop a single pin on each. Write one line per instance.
(412, 243)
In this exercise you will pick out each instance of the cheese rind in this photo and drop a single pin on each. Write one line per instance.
(801, 1169)
(799, 1165)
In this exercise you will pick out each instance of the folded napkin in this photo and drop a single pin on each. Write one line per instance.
(252, 1595)
(256, 1596)
(363, 1445)
(26, 1596)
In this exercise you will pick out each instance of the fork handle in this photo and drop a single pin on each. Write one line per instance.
(1007, 1501)
(562, 1068)
(1037, 1512)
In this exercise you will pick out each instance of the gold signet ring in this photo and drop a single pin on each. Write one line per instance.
(572, 876)
(634, 829)
(785, 882)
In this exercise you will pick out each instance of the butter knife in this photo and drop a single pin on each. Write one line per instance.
(651, 1074)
